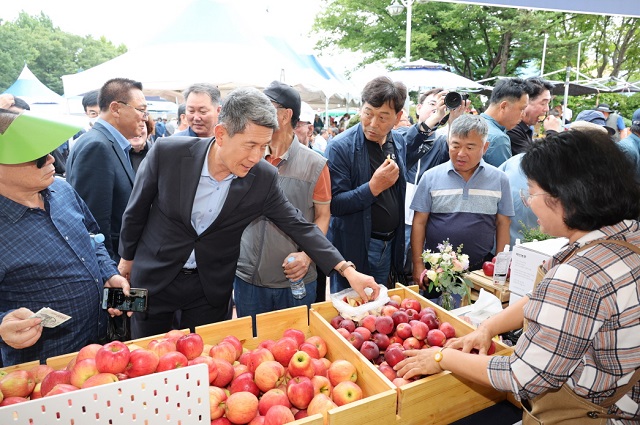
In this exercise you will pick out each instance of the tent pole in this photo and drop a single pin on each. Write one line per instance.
(566, 95)
(326, 113)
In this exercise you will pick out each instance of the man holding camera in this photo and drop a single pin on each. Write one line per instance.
(508, 101)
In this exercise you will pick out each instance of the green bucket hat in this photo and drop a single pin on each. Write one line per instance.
(30, 137)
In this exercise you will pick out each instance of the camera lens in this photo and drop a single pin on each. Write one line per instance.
(454, 99)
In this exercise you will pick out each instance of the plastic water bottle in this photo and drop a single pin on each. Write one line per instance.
(297, 286)
(98, 237)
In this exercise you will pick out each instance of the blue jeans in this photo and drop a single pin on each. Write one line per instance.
(251, 299)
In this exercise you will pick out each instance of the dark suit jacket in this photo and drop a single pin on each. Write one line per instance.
(158, 235)
(99, 170)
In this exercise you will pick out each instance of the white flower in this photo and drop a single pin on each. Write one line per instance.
(432, 275)
(446, 257)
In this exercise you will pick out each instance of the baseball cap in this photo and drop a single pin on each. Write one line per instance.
(593, 117)
(286, 96)
(307, 114)
(635, 120)
(30, 137)
(603, 107)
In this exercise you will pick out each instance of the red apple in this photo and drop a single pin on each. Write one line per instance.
(162, 346)
(429, 310)
(388, 310)
(320, 344)
(393, 356)
(239, 368)
(369, 322)
(319, 367)
(410, 303)
(335, 321)
(54, 378)
(411, 343)
(112, 357)
(384, 324)
(190, 345)
(348, 324)
(174, 335)
(142, 362)
(487, 268)
(221, 421)
(40, 371)
(100, 379)
(61, 389)
(172, 360)
(400, 317)
(217, 398)
(448, 330)
(284, 349)
(370, 350)
(392, 302)
(236, 343)
(269, 375)
(342, 370)
(436, 338)
(321, 384)
(412, 314)
(403, 331)
(18, 383)
(388, 371)
(267, 343)
(278, 415)
(366, 333)
(244, 382)
(300, 391)
(301, 414)
(296, 334)
(258, 356)
(419, 329)
(398, 382)
(258, 420)
(14, 400)
(430, 320)
(346, 392)
(88, 352)
(224, 350)
(271, 398)
(381, 340)
(320, 404)
(211, 366)
(241, 407)
(301, 365)
(492, 348)
(225, 373)
(344, 332)
(310, 349)
(356, 339)
(83, 370)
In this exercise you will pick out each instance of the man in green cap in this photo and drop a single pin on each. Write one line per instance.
(48, 256)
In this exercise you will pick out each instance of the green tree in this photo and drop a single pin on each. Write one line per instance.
(49, 52)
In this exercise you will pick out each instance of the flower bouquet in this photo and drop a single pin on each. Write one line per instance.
(447, 272)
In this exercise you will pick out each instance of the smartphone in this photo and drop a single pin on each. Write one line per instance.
(115, 298)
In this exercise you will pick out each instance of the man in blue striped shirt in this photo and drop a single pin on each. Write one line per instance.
(464, 200)
(47, 258)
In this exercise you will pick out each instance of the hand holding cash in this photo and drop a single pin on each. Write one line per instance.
(51, 318)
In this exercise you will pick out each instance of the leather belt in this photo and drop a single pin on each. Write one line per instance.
(189, 271)
(383, 236)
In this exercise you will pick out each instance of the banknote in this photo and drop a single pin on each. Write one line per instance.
(51, 318)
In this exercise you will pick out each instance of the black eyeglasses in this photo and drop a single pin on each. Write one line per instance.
(40, 162)
(144, 113)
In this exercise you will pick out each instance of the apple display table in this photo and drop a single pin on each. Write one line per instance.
(480, 280)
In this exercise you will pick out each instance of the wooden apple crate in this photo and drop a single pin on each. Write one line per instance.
(480, 280)
(437, 399)
(378, 405)
(21, 366)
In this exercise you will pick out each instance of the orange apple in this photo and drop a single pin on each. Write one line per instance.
(100, 379)
(241, 407)
(346, 392)
(269, 375)
(217, 398)
(320, 344)
(342, 370)
(83, 370)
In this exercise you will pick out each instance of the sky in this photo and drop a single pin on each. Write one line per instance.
(127, 21)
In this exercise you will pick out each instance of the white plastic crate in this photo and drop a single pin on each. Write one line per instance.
(179, 397)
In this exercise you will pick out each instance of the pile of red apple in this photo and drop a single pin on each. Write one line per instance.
(402, 325)
(276, 383)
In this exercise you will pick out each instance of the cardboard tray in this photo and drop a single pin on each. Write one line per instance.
(437, 399)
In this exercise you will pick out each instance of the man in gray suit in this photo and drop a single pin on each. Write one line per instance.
(99, 168)
(192, 200)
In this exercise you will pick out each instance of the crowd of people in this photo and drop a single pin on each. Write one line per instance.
(242, 195)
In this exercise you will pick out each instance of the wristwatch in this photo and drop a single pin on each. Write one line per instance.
(438, 356)
(345, 266)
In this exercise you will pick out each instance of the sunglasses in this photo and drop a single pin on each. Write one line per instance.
(40, 162)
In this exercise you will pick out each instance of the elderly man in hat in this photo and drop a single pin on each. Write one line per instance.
(594, 120)
(614, 121)
(48, 256)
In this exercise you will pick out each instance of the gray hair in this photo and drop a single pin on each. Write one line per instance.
(468, 123)
(206, 88)
(246, 105)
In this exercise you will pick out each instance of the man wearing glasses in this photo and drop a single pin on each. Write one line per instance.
(99, 167)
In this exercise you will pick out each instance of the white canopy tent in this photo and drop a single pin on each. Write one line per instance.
(209, 42)
(39, 97)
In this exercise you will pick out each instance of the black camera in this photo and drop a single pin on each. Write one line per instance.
(454, 99)
(115, 298)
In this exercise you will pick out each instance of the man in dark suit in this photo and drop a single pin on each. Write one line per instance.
(192, 200)
(99, 167)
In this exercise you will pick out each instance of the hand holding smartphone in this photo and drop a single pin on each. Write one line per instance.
(115, 298)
